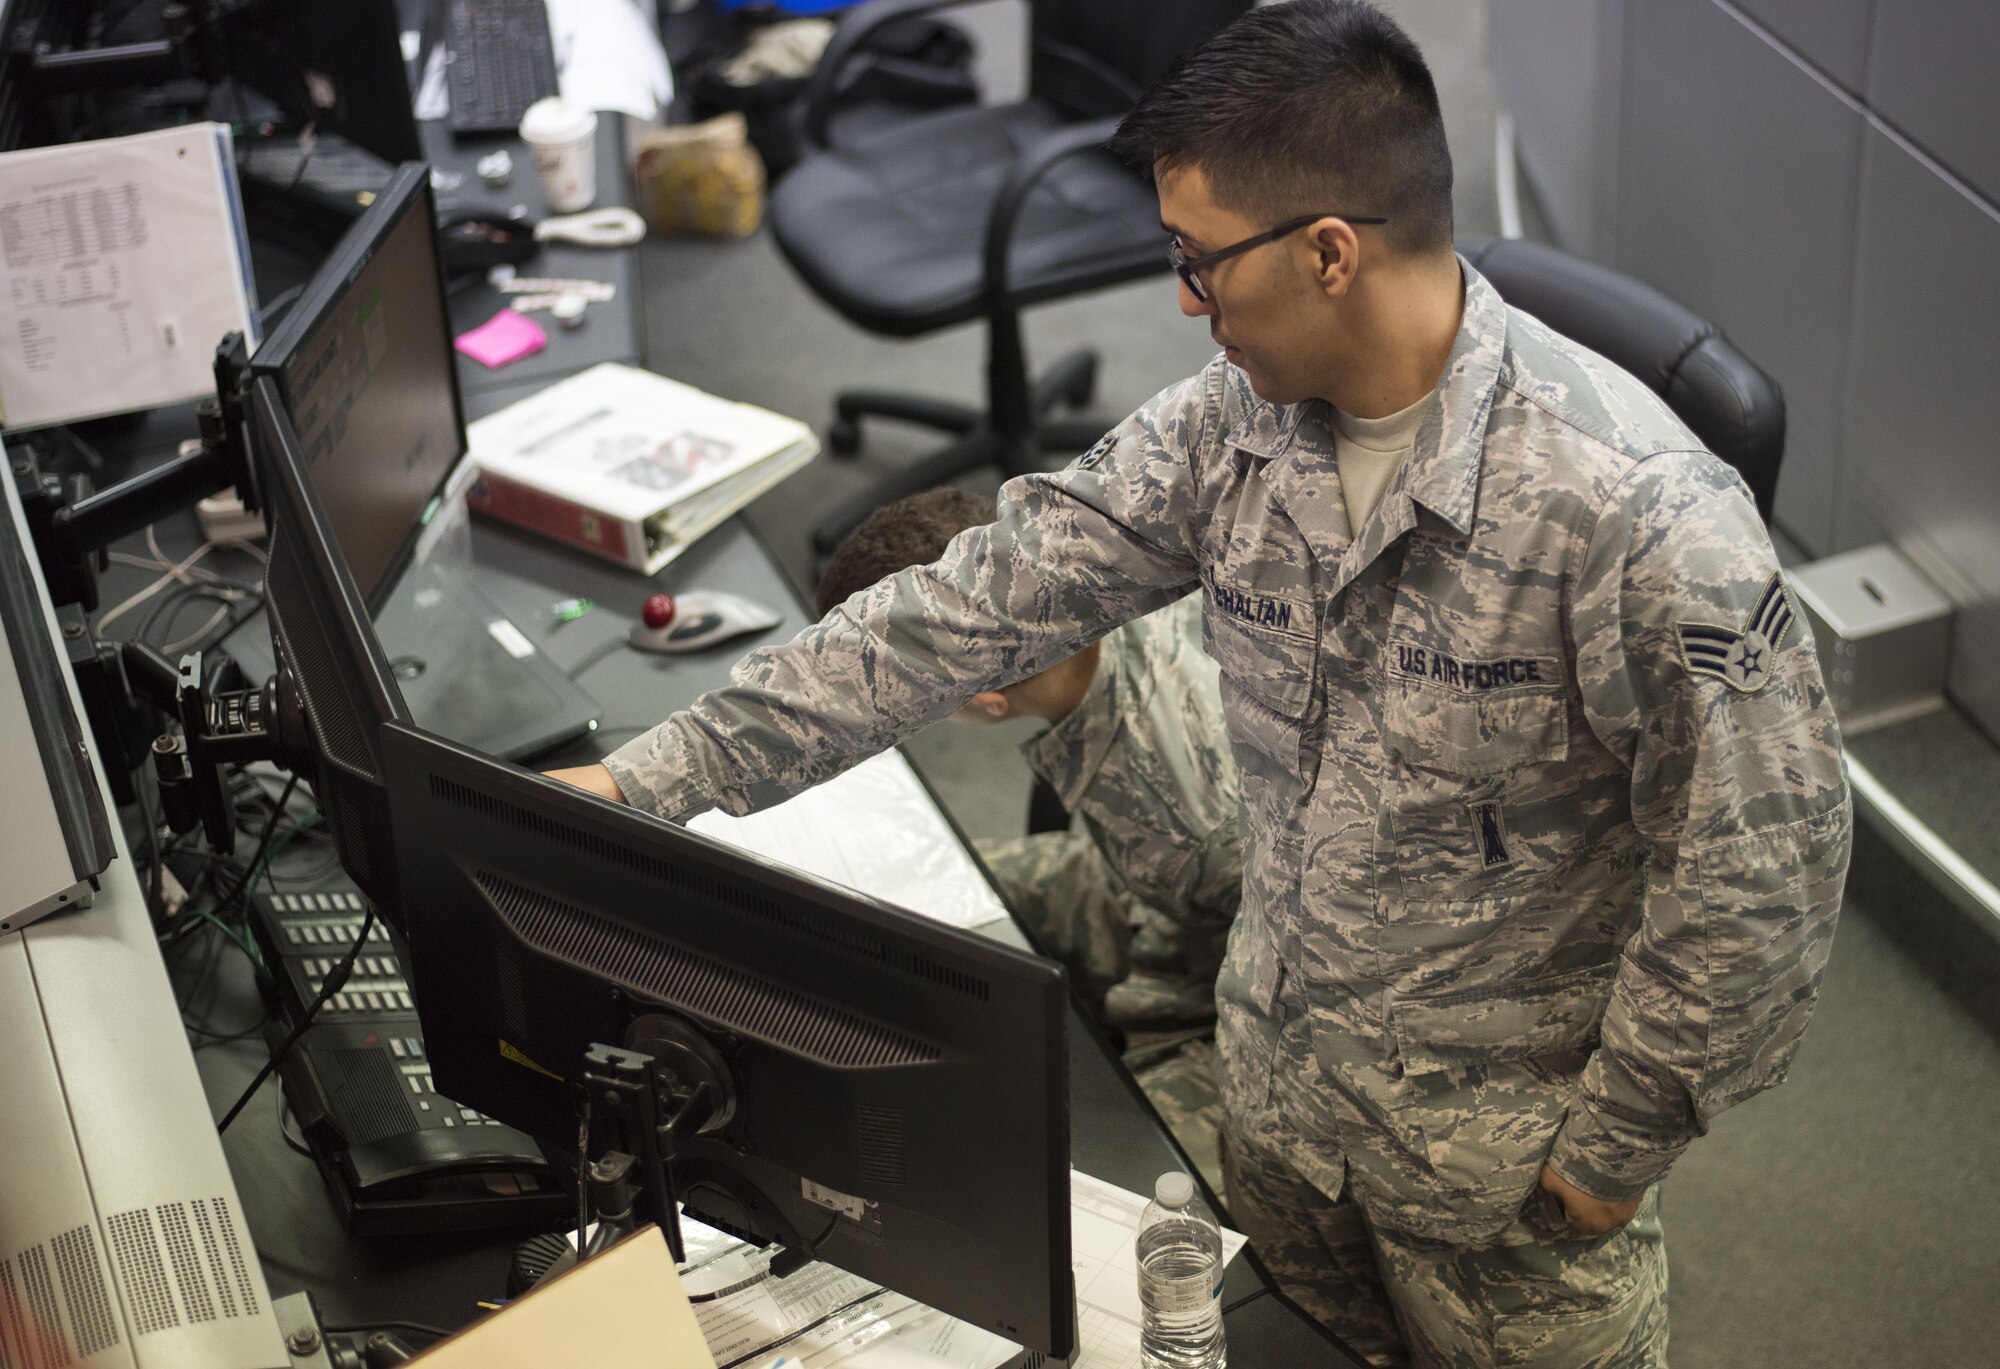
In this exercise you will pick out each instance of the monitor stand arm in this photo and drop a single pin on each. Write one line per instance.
(640, 1104)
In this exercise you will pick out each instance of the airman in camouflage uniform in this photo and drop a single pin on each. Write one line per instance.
(1136, 896)
(1543, 818)
(1413, 1012)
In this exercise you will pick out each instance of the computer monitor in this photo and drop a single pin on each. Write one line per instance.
(336, 687)
(334, 64)
(893, 1089)
(889, 1092)
(363, 362)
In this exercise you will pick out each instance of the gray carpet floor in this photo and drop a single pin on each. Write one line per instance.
(1849, 1218)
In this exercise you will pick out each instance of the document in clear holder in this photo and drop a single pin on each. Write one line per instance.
(825, 1318)
(123, 262)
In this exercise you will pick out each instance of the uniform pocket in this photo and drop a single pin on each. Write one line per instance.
(1267, 684)
(1582, 1302)
(1487, 1074)
(1483, 802)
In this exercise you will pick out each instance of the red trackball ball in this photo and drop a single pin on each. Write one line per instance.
(659, 610)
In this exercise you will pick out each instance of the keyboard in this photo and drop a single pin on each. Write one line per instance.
(398, 1156)
(503, 59)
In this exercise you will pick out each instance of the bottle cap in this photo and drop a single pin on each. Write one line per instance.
(659, 611)
(1174, 1189)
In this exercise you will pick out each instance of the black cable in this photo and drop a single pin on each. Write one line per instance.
(225, 1038)
(212, 952)
(305, 161)
(335, 982)
(284, 300)
(154, 851)
(804, 1257)
(174, 604)
(241, 893)
(594, 655)
(435, 1333)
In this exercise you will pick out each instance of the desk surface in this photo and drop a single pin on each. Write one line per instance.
(1115, 1134)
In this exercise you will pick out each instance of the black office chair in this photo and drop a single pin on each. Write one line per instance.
(980, 212)
(1723, 396)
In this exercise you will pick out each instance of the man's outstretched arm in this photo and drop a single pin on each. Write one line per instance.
(592, 779)
(1071, 555)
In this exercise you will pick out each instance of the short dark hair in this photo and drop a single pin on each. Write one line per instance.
(913, 531)
(1309, 107)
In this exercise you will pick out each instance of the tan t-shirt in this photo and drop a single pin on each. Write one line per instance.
(1368, 450)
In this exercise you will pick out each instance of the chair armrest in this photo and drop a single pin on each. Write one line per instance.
(1064, 143)
(853, 30)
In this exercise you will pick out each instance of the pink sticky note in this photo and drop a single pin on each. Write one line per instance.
(505, 337)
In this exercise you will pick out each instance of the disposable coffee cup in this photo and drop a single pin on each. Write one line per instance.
(562, 137)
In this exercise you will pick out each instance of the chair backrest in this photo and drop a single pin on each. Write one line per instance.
(1730, 404)
(1096, 58)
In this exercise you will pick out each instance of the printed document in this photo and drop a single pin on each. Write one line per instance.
(823, 1318)
(875, 829)
(123, 262)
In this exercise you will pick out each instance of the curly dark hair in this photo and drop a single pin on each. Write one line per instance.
(913, 531)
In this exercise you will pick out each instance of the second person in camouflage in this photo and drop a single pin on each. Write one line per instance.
(1137, 897)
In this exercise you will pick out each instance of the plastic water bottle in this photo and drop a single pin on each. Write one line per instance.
(1180, 1280)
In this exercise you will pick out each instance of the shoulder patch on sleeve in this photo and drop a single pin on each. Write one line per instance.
(1740, 657)
(1089, 460)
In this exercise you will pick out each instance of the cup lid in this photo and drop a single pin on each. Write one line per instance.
(556, 120)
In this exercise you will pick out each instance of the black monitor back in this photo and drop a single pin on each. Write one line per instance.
(335, 64)
(879, 1057)
(334, 668)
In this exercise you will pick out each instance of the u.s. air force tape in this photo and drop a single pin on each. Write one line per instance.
(1741, 657)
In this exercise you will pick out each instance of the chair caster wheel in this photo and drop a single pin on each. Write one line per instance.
(844, 437)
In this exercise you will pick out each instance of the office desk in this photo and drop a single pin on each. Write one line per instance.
(614, 331)
(1115, 1134)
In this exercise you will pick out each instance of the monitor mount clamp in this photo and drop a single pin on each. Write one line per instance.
(222, 718)
(641, 1102)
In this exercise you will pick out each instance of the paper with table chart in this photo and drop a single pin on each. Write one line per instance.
(822, 1318)
(873, 828)
(123, 262)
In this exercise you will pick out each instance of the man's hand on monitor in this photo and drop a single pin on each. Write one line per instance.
(592, 779)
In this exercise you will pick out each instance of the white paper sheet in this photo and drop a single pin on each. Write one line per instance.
(821, 1318)
(873, 828)
(123, 262)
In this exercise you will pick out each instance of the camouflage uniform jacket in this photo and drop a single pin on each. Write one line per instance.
(1543, 820)
(1144, 762)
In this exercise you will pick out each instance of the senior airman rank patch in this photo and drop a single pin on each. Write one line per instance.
(1741, 657)
(1090, 459)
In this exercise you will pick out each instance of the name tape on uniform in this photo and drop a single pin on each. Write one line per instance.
(1268, 611)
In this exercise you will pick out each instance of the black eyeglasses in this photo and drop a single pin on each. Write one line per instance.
(1186, 267)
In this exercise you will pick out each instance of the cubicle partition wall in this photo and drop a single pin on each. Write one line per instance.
(1822, 179)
